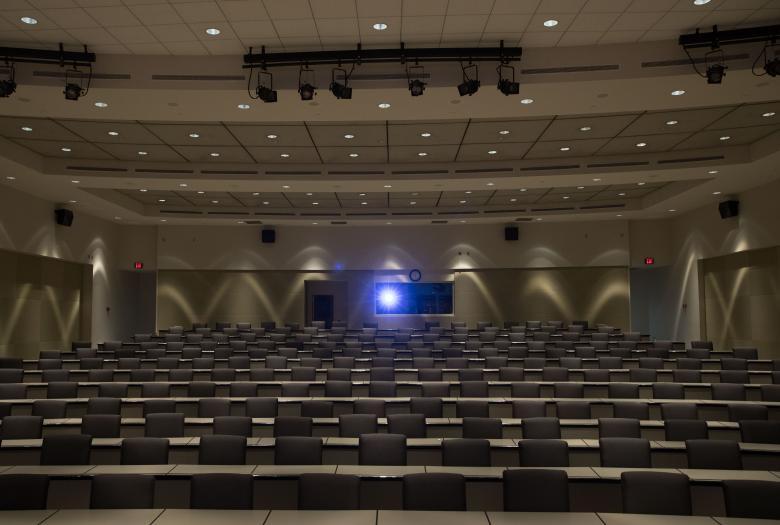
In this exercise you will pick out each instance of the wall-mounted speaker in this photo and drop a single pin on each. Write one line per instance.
(728, 209)
(268, 236)
(511, 233)
(63, 217)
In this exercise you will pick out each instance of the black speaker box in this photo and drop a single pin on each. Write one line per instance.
(63, 217)
(511, 233)
(728, 209)
(268, 236)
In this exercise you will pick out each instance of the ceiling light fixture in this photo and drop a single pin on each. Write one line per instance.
(306, 83)
(383, 105)
(354, 155)
(412, 203)
(379, 26)
(491, 184)
(585, 128)
(271, 136)
(725, 137)
(622, 194)
(513, 199)
(641, 183)
(340, 90)
(113, 133)
(101, 105)
(425, 134)
(27, 129)
(672, 210)
(214, 154)
(566, 197)
(183, 185)
(285, 186)
(596, 179)
(504, 132)
(285, 155)
(203, 193)
(527, 101)
(507, 85)
(142, 153)
(671, 122)
(678, 92)
(194, 135)
(264, 89)
(462, 202)
(550, 23)
(388, 186)
(215, 202)
(469, 85)
(768, 114)
(160, 200)
(565, 148)
(712, 172)
(29, 20)
(422, 154)
(492, 152)
(414, 76)
(243, 106)
(10, 177)
(716, 193)
(66, 150)
(580, 187)
(701, 2)
(641, 144)
(143, 190)
(213, 31)
(75, 181)
(349, 136)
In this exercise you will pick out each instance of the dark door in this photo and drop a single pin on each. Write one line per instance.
(322, 309)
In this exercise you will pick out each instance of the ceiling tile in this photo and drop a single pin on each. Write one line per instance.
(172, 33)
(686, 121)
(114, 16)
(132, 34)
(42, 129)
(53, 148)
(98, 131)
(414, 8)
(507, 23)
(631, 21)
(156, 14)
(711, 138)
(480, 152)
(288, 9)
(410, 133)
(198, 12)
(749, 115)
(434, 153)
(178, 134)
(322, 9)
(464, 23)
(203, 154)
(489, 131)
(333, 134)
(601, 126)
(552, 150)
(381, 8)
(154, 152)
(342, 155)
(243, 10)
(274, 155)
(655, 143)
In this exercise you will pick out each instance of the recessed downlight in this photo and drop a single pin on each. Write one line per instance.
(725, 137)
(75, 181)
(412, 202)
(678, 92)
(388, 186)
(580, 187)
(641, 144)
(243, 106)
(10, 177)
(194, 135)
(29, 20)
(504, 132)
(641, 183)
(425, 134)
(160, 200)
(672, 210)
(490, 184)
(215, 202)
(201, 192)
(354, 155)
(101, 105)
(716, 193)
(284, 155)
(213, 31)
(671, 122)
(364, 203)
(596, 179)
(113, 133)
(143, 153)
(513, 199)
(422, 154)
(462, 202)
(622, 194)
(492, 152)
(768, 114)
(286, 186)
(66, 150)
(712, 172)
(214, 154)
(701, 2)
(379, 26)
(182, 184)
(27, 129)
(143, 190)
(585, 128)
(565, 148)
(527, 101)
(550, 23)
(349, 136)
(566, 197)
(383, 105)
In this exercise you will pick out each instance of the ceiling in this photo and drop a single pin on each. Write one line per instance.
(178, 27)
(475, 140)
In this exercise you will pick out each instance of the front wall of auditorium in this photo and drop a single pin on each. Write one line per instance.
(706, 272)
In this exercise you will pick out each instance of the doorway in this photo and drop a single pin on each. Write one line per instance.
(326, 301)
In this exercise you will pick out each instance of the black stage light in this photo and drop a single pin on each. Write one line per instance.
(416, 87)
(508, 87)
(7, 88)
(468, 87)
(772, 67)
(72, 91)
(340, 91)
(715, 73)
(307, 91)
(266, 94)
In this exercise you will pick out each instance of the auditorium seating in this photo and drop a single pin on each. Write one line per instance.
(515, 402)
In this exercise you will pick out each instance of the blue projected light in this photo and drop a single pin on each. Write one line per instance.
(388, 298)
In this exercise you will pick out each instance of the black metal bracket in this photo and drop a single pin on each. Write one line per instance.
(58, 57)
(717, 38)
(398, 55)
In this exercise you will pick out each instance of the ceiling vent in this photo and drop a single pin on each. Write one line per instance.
(320, 215)
(552, 209)
(253, 222)
(691, 159)
(602, 206)
(293, 173)
(523, 219)
(687, 62)
(411, 213)
(503, 211)
(169, 172)
(338, 222)
(544, 168)
(365, 214)
(181, 212)
(95, 76)
(356, 173)
(420, 172)
(95, 168)
(439, 221)
(570, 69)
(227, 213)
(618, 164)
(232, 172)
(275, 213)
(490, 170)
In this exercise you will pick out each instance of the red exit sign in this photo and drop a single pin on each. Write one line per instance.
(649, 260)
(138, 265)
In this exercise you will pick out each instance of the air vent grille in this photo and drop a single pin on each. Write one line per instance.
(356, 173)
(691, 159)
(227, 213)
(570, 69)
(617, 164)
(230, 172)
(503, 211)
(175, 172)
(181, 212)
(489, 170)
(275, 213)
(544, 168)
(412, 213)
(293, 173)
(420, 172)
(95, 168)
(95, 76)
(439, 221)
(602, 206)
(552, 209)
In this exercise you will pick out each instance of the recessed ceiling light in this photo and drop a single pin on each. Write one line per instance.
(491, 184)
(622, 194)
(286, 187)
(641, 144)
(194, 135)
(513, 199)
(565, 148)
(565, 197)
(672, 210)
(29, 20)
(66, 150)
(712, 172)
(349, 136)
(309, 194)
(388, 186)
(364, 203)
(163, 220)
(214, 154)
(585, 128)
(73, 202)
(671, 122)
(641, 183)
(383, 105)
(143, 153)
(214, 202)
(353, 155)
(523, 189)
(361, 194)
(201, 192)
(75, 181)
(271, 136)
(285, 155)
(550, 23)
(716, 193)
(266, 203)
(527, 101)
(504, 132)
(143, 190)
(243, 106)
(315, 223)
(701, 2)
(315, 203)
(26, 129)
(99, 104)
(422, 154)
(580, 187)
(160, 200)
(239, 222)
(618, 215)
(462, 202)
(597, 179)
(213, 31)
(678, 92)
(113, 133)
(412, 203)
(380, 26)
(117, 218)
(10, 177)
(468, 192)
(725, 137)
(425, 134)
(538, 218)
(492, 152)
(768, 114)
(388, 223)
(463, 221)
(183, 185)
(415, 194)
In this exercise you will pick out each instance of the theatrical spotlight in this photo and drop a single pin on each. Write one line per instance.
(507, 85)
(772, 67)
(264, 92)
(416, 86)
(339, 90)
(469, 86)
(74, 84)
(8, 85)
(306, 87)
(715, 73)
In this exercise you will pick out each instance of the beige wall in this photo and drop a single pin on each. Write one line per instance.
(40, 303)
(742, 299)
(598, 294)
(27, 226)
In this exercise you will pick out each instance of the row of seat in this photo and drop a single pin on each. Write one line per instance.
(536, 490)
